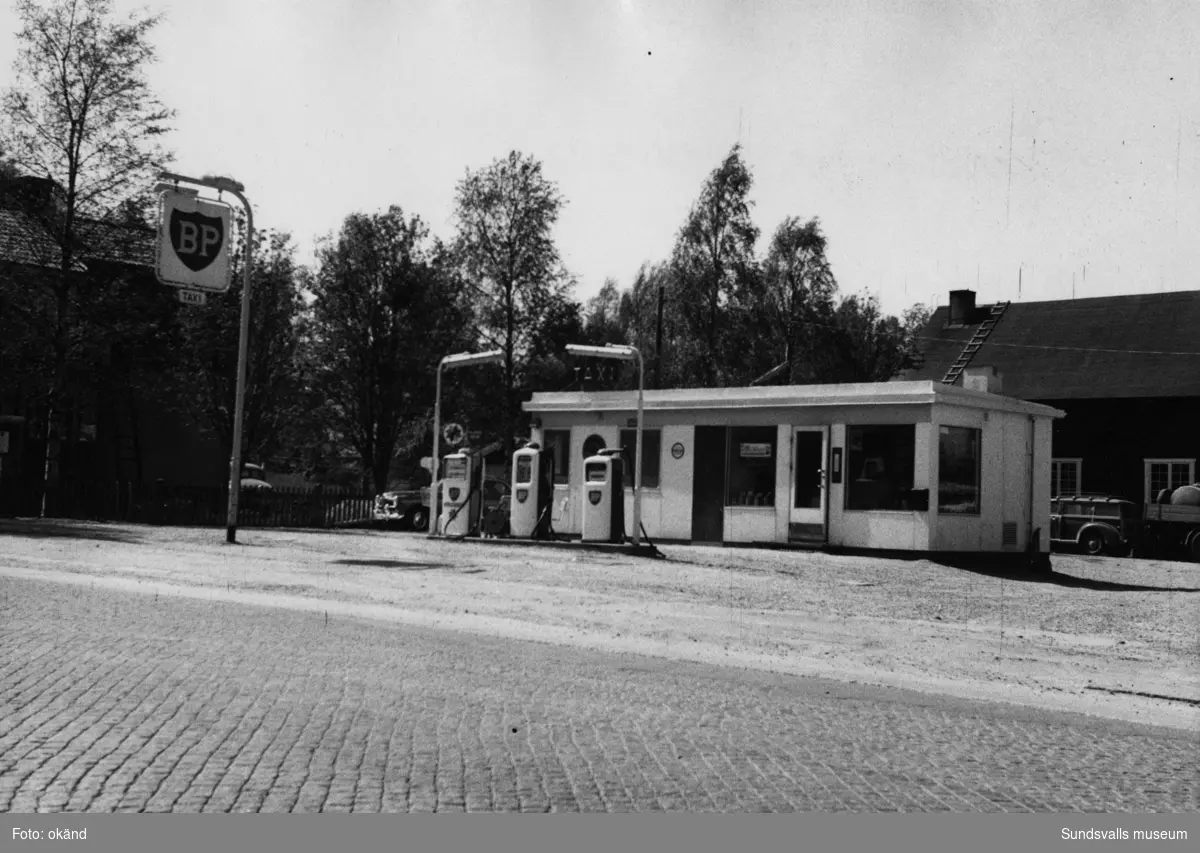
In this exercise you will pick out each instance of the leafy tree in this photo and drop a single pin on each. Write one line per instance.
(602, 316)
(561, 323)
(712, 260)
(794, 300)
(81, 114)
(387, 307)
(208, 350)
(505, 215)
(865, 345)
(8, 169)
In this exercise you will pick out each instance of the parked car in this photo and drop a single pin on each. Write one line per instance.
(407, 504)
(254, 477)
(1098, 524)
(411, 506)
(254, 493)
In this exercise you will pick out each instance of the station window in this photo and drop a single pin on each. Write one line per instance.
(879, 467)
(958, 470)
(557, 444)
(751, 456)
(651, 456)
(592, 445)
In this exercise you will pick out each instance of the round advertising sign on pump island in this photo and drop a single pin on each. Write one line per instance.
(193, 242)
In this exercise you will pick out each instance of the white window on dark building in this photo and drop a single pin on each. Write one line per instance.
(1168, 474)
(1066, 477)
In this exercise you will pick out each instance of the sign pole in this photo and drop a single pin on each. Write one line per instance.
(235, 189)
(235, 460)
(435, 491)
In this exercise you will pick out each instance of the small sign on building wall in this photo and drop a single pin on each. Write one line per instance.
(756, 450)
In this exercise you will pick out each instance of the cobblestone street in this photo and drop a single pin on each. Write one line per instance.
(116, 701)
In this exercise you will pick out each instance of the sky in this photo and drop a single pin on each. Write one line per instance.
(1025, 150)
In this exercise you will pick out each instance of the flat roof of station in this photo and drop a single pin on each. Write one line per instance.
(786, 396)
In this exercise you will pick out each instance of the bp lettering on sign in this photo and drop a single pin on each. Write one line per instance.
(193, 242)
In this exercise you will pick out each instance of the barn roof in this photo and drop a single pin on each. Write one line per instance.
(1144, 345)
(24, 240)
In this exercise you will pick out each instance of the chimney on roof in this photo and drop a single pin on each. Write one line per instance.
(982, 379)
(962, 307)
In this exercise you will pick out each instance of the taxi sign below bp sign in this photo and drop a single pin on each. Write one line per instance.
(193, 243)
(192, 297)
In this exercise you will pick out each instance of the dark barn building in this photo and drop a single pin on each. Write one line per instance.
(113, 431)
(1125, 369)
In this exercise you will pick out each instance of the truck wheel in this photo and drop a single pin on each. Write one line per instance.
(418, 518)
(1093, 543)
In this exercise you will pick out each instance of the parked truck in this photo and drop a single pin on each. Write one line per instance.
(1172, 523)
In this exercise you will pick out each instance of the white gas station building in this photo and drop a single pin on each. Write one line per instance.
(918, 466)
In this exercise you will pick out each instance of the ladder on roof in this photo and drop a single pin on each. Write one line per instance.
(973, 345)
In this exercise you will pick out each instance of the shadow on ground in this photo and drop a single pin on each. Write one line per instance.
(392, 564)
(1052, 577)
(37, 529)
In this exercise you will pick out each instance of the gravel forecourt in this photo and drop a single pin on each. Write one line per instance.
(1114, 638)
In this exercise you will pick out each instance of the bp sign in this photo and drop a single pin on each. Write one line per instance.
(193, 242)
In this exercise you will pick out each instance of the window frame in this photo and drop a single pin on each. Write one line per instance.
(629, 454)
(978, 499)
(853, 456)
(592, 437)
(770, 435)
(1170, 462)
(561, 451)
(1056, 475)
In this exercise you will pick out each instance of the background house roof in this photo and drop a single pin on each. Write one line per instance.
(29, 208)
(24, 240)
(1145, 345)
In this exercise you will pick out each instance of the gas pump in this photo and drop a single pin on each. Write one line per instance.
(457, 493)
(532, 492)
(603, 497)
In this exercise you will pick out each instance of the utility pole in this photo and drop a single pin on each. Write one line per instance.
(658, 342)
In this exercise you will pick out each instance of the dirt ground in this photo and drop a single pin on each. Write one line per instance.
(1118, 638)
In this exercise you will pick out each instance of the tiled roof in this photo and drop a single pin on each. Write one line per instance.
(1145, 345)
(24, 241)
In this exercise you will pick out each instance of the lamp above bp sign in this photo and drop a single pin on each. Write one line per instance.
(193, 242)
